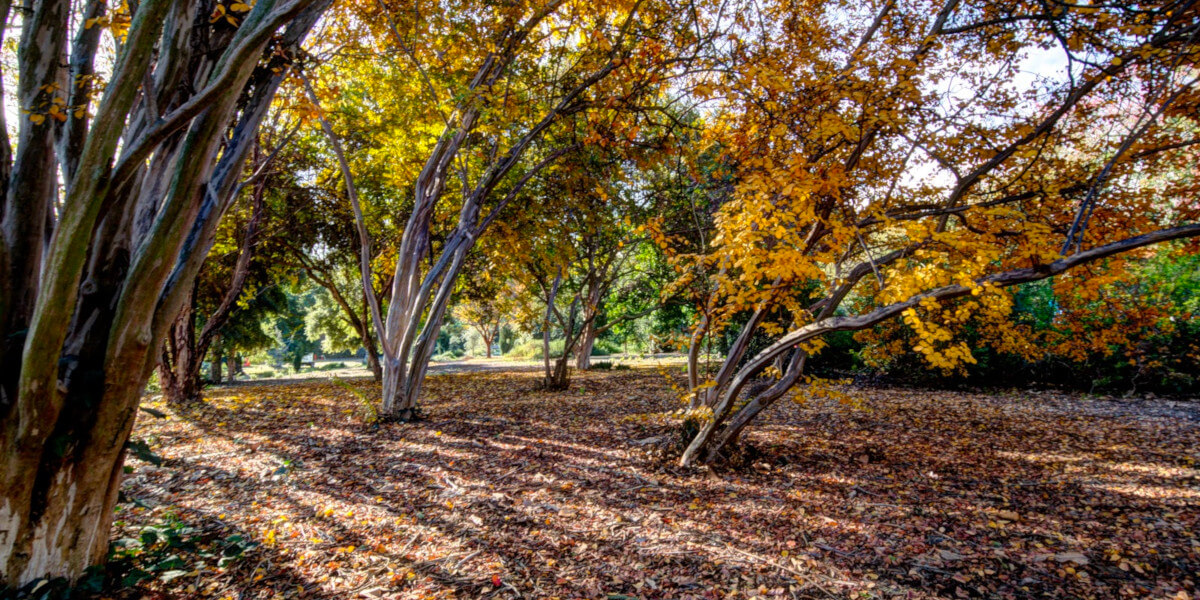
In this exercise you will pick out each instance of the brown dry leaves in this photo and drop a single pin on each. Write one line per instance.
(509, 493)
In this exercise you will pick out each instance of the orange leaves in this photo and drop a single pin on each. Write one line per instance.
(229, 12)
(51, 105)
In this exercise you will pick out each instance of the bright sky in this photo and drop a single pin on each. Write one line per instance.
(1037, 63)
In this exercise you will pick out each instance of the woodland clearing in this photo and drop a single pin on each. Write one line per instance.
(957, 194)
(506, 492)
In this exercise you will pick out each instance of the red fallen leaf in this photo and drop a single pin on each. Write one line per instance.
(496, 580)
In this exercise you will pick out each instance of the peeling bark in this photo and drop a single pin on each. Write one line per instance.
(144, 190)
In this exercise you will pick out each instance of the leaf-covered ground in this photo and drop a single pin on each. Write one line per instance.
(505, 492)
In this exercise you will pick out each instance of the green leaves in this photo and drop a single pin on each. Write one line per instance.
(169, 549)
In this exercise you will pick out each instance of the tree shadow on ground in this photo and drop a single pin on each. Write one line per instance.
(504, 492)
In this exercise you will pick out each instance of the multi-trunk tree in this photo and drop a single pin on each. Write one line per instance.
(579, 250)
(891, 161)
(493, 89)
(133, 131)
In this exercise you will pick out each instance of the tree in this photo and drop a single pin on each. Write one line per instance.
(499, 87)
(292, 339)
(1137, 333)
(93, 280)
(570, 249)
(324, 245)
(485, 304)
(218, 291)
(869, 185)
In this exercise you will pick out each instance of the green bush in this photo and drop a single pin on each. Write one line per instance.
(332, 366)
(1163, 360)
(447, 356)
(606, 347)
(264, 375)
(606, 365)
(532, 349)
(169, 548)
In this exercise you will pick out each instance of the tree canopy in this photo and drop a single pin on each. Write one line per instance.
(779, 190)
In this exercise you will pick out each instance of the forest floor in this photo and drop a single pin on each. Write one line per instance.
(506, 492)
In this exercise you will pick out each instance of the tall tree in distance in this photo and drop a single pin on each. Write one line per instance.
(485, 302)
(146, 146)
(577, 249)
(322, 239)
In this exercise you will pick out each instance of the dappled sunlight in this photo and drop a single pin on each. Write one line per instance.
(1157, 493)
(508, 492)
(1044, 457)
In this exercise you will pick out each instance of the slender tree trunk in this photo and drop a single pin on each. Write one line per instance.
(214, 368)
(780, 363)
(560, 378)
(373, 363)
(556, 378)
(488, 333)
(710, 396)
(695, 345)
(546, 347)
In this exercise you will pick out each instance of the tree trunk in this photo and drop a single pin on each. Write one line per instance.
(557, 378)
(780, 363)
(560, 378)
(214, 368)
(137, 218)
(179, 369)
(713, 446)
(710, 396)
(373, 364)
(489, 335)
(397, 406)
(56, 513)
(546, 347)
(587, 341)
(695, 344)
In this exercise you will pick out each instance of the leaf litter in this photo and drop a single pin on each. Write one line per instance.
(508, 492)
